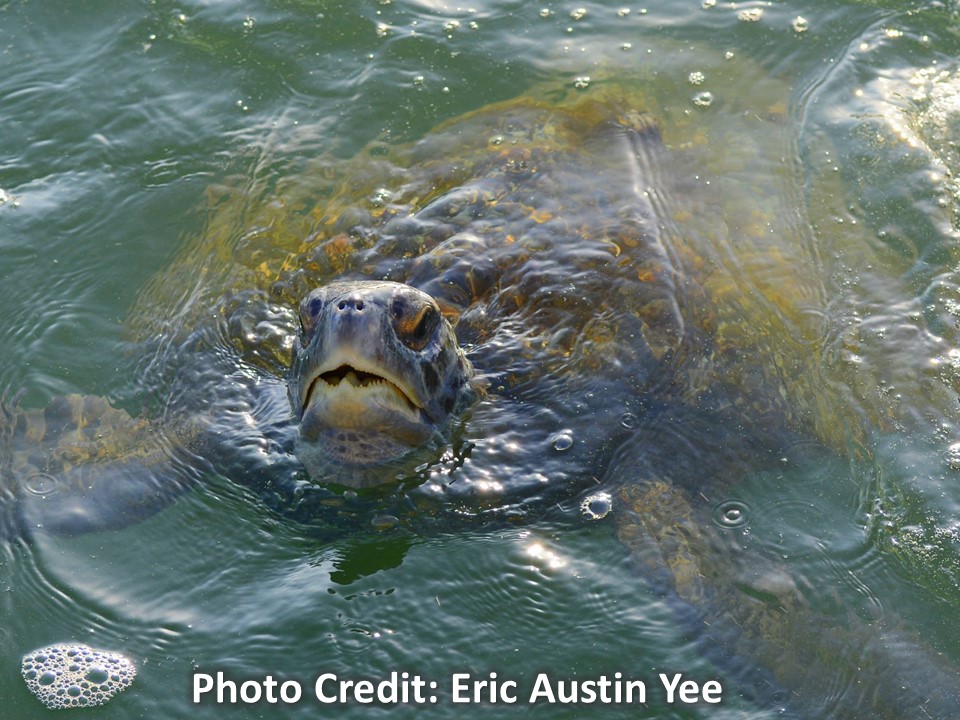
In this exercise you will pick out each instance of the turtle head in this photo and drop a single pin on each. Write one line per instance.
(376, 370)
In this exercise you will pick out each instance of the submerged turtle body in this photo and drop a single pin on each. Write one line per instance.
(585, 272)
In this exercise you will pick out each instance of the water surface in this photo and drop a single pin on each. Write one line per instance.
(122, 124)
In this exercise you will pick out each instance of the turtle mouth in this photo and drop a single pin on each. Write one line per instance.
(350, 374)
(347, 386)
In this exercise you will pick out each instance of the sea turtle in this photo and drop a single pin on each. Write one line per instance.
(314, 349)
(534, 302)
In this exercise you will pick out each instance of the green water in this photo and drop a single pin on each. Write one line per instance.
(116, 119)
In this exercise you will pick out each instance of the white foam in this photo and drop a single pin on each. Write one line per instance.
(74, 675)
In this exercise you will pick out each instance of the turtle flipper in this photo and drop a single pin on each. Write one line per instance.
(752, 616)
(79, 465)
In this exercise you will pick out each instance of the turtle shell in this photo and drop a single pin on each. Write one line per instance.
(598, 274)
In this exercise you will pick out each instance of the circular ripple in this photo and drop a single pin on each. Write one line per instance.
(731, 514)
(40, 484)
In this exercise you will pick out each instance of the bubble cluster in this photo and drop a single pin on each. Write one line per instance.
(73, 675)
(953, 456)
(7, 198)
(703, 99)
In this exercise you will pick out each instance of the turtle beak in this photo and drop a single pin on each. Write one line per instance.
(348, 380)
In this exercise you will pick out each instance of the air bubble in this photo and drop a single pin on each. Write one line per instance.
(97, 675)
(562, 441)
(48, 678)
(703, 99)
(750, 15)
(800, 24)
(628, 420)
(582, 82)
(731, 514)
(380, 197)
(597, 506)
(578, 14)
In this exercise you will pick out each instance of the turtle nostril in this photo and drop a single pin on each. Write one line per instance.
(352, 303)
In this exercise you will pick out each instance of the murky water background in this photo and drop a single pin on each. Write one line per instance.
(116, 118)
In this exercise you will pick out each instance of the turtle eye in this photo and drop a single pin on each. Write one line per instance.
(415, 322)
(310, 310)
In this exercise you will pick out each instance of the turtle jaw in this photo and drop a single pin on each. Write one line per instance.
(347, 387)
(351, 396)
